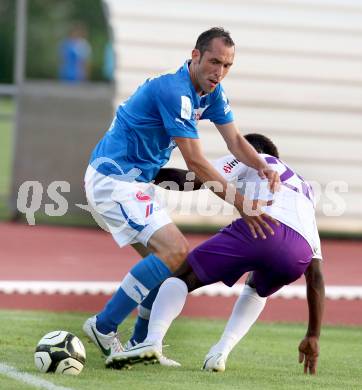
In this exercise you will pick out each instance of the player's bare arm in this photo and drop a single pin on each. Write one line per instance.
(245, 153)
(309, 346)
(195, 160)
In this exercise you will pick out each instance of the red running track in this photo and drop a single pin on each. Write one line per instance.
(78, 254)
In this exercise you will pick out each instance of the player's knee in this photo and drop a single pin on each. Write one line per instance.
(175, 255)
(183, 250)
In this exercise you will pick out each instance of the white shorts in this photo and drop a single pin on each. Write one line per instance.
(128, 210)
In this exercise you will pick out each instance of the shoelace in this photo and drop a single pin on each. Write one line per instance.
(130, 344)
(165, 359)
(116, 344)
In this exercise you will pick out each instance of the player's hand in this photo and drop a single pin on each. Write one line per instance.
(309, 352)
(272, 176)
(256, 219)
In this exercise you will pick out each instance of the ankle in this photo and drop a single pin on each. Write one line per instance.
(154, 341)
(218, 348)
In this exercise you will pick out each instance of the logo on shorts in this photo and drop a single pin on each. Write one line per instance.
(149, 209)
(143, 197)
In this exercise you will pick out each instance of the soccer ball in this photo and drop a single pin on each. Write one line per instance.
(60, 352)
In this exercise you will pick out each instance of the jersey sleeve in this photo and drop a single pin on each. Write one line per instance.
(317, 250)
(219, 111)
(176, 111)
(230, 167)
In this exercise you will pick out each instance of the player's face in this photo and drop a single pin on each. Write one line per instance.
(213, 66)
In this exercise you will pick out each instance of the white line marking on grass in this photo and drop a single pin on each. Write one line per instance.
(30, 380)
(94, 288)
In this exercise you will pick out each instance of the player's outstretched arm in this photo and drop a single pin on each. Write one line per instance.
(309, 346)
(250, 210)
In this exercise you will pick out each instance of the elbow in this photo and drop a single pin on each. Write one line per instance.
(236, 144)
(314, 276)
(231, 148)
(315, 281)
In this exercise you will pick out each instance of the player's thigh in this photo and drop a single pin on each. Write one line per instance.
(265, 283)
(170, 245)
(224, 257)
(270, 280)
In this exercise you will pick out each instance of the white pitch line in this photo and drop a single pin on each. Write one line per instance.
(217, 289)
(30, 380)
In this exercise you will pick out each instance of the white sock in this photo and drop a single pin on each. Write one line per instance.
(167, 306)
(245, 312)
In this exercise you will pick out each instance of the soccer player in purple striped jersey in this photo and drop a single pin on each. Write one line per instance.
(276, 261)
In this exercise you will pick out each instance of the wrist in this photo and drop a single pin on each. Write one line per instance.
(263, 165)
(239, 200)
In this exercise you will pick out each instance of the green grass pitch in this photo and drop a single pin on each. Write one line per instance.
(265, 359)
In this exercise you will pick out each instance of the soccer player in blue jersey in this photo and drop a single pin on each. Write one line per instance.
(163, 114)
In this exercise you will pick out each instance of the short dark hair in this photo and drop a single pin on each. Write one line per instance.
(204, 39)
(262, 144)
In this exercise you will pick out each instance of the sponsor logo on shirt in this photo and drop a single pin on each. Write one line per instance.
(228, 167)
(186, 107)
(197, 114)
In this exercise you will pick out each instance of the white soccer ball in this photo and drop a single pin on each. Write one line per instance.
(60, 352)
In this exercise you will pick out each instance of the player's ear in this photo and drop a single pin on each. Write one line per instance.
(195, 55)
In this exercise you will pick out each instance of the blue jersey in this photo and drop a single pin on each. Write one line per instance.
(141, 134)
